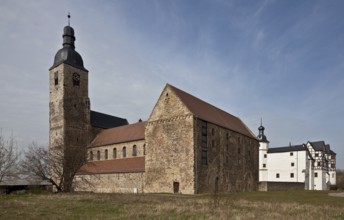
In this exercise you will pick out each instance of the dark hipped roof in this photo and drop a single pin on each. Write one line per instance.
(126, 133)
(123, 165)
(101, 120)
(212, 114)
(286, 149)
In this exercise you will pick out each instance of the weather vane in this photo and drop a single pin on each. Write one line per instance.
(68, 19)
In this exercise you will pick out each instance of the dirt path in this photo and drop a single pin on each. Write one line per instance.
(341, 194)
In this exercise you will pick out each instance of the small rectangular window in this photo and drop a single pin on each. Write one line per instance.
(292, 164)
(264, 165)
(277, 175)
(56, 78)
(291, 153)
(315, 174)
(264, 155)
(291, 175)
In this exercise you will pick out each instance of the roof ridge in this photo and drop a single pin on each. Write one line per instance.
(173, 87)
(210, 113)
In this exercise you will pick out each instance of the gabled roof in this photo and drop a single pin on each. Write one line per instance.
(122, 165)
(126, 133)
(101, 120)
(320, 146)
(212, 114)
(286, 149)
(332, 152)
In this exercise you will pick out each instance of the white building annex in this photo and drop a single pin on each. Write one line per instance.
(310, 166)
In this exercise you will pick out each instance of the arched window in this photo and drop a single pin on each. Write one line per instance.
(98, 155)
(134, 151)
(144, 149)
(106, 154)
(114, 153)
(91, 155)
(124, 152)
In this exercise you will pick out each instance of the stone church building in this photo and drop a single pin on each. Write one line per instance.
(185, 146)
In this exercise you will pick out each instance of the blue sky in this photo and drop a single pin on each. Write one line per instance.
(279, 60)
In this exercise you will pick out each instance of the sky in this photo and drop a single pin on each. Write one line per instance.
(278, 60)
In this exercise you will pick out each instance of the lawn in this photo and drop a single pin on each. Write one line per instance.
(248, 205)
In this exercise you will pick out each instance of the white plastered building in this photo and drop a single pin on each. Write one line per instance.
(311, 166)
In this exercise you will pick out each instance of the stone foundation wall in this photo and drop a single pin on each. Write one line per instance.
(284, 186)
(263, 186)
(111, 183)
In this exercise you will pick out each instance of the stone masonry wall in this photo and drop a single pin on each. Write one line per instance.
(111, 183)
(140, 149)
(69, 117)
(232, 160)
(170, 148)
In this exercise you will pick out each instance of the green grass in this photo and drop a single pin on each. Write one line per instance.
(248, 205)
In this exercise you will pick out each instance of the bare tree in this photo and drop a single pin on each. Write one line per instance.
(56, 165)
(8, 157)
(38, 163)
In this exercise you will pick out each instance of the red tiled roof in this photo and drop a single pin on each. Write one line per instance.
(122, 165)
(210, 113)
(126, 133)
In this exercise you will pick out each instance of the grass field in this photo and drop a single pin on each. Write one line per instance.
(250, 205)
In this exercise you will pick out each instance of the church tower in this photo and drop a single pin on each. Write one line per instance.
(69, 110)
(263, 154)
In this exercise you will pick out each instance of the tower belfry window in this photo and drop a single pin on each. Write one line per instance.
(56, 78)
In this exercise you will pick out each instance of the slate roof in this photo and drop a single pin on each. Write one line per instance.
(122, 165)
(101, 120)
(332, 152)
(212, 114)
(126, 133)
(318, 145)
(286, 149)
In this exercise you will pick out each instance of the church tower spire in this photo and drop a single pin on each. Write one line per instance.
(67, 54)
(261, 136)
(69, 108)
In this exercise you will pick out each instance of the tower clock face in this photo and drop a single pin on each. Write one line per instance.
(76, 77)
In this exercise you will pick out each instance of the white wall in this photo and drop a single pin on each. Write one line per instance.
(263, 171)
(281, 163)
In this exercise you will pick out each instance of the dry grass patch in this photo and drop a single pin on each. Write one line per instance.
(253, 205)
